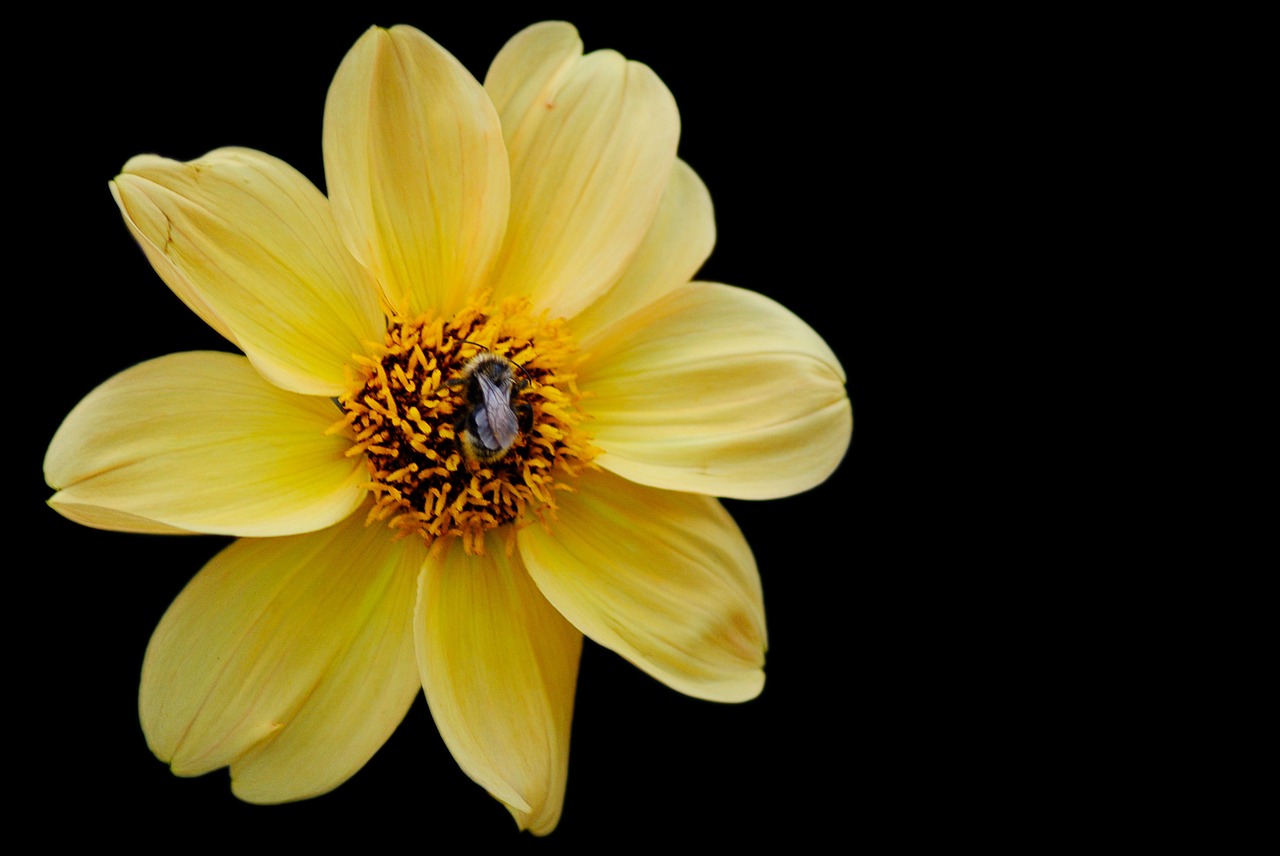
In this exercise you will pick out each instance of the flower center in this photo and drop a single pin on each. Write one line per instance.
(467, 424)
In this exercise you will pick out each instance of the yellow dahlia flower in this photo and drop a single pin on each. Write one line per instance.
(482, 412)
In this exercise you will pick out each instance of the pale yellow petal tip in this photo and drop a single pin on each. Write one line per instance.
(748, 688)
(547, 33)
(734, 690)
(548, 26)
(403, 32)
(389, 37)
(138, 163)
(119, 186)
(248, 789)
(373, 32)
(542, 825)
(98, 517)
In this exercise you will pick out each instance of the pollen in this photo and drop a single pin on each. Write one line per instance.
(411, 412)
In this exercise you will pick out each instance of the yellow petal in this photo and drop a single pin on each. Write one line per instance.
(199, 442)
(718, 390)
(532, 65)
(592, 140)
(251, 246)
(673, 249)
(416, 168)
(499, 667)
(665, 579)
(291, 659)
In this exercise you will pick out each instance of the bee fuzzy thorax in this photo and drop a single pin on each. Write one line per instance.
(493, 418)
(467, 424)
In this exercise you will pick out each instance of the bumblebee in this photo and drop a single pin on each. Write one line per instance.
(493, 418)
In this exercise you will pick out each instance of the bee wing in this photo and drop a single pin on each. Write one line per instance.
(495, 421)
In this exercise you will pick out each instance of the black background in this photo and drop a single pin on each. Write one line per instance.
(797, 125)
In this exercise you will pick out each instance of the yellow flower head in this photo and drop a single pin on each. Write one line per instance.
(482, 412)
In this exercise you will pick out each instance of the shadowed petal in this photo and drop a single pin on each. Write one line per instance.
(290, 659)
(718, 390)
(200, 442)
(416, 169)
(499, 667)
(592, 140)
(665, 579)
(251, 246)
(673, 249)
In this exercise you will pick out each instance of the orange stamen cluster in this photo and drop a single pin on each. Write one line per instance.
(404, 414)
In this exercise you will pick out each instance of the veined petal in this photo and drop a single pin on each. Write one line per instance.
(291, 659)
(676, 245)
(718, 390)
(416, 169)
(200, 442)
(251, 246)
(592, 140)
(665, 579)
(499, 667)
